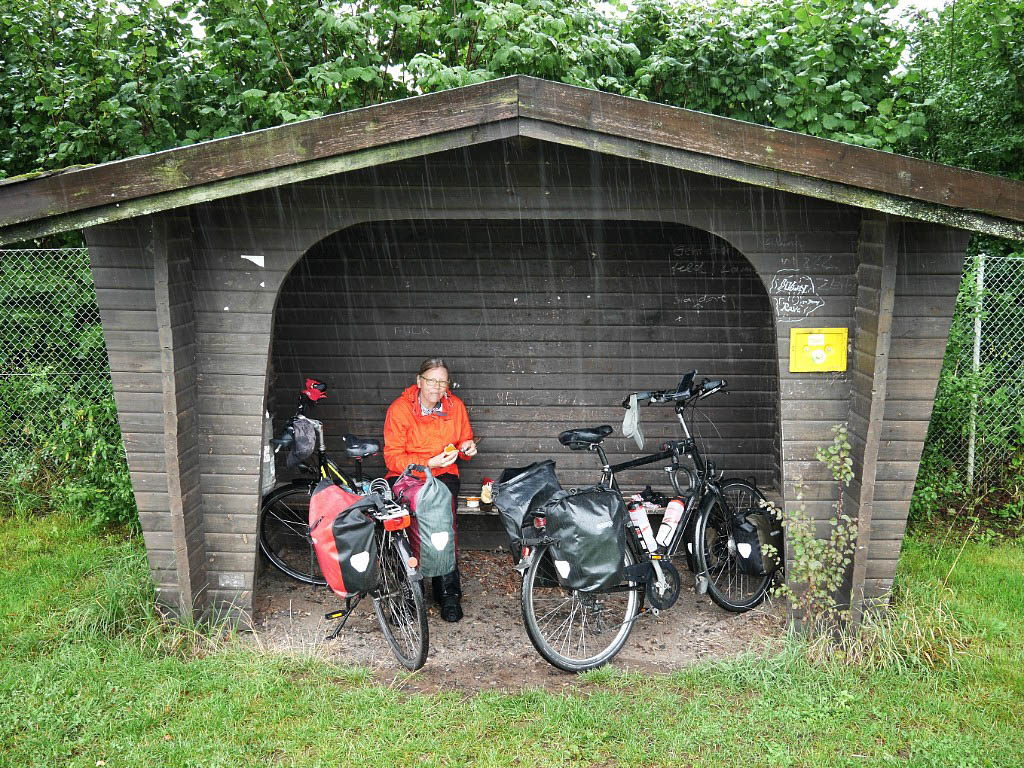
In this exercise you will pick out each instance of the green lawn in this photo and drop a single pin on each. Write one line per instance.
(88, 679)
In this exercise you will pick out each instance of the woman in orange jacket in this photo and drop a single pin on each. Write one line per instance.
(428, 425)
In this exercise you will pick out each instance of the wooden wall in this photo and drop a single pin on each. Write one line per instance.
(525, 206)
(547, 326)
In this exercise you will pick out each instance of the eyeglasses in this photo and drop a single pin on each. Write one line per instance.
(440, 383)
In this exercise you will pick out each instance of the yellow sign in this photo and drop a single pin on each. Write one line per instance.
(817, 349)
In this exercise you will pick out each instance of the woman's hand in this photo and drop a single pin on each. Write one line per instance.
(468, 449)
(444, 459)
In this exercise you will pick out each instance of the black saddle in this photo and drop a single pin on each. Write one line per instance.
(360, 447)
(577, 439)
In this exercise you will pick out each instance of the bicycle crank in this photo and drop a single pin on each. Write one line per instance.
(663, 592)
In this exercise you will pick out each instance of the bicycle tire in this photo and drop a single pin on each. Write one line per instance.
(728, 586)
(400, 608)
(556, 619)
(283, 532)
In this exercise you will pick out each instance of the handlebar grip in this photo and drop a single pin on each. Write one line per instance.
(707, 386)
(286, 440)
(639, 396)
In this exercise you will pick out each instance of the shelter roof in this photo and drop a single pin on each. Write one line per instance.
(514, 106)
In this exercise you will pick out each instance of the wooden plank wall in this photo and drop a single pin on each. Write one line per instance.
(122, 265)
(487, 243)
(929, 267)
(548, 325)
(876, 289)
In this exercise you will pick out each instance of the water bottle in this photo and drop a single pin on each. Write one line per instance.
(638, 515)
(669, 523)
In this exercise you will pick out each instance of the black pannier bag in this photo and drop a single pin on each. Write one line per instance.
(342, 528)
(588, 526)
(521, 490)
(758, 536)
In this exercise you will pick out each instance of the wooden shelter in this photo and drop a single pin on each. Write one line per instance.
(563, 247)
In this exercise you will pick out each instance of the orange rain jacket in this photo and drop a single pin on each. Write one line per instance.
(412, 438)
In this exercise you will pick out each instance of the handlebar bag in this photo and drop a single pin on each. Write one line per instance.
(342, 529)
(520, 491)
(588, 526)
(432, 531)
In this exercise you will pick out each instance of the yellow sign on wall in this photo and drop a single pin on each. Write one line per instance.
(817, 349)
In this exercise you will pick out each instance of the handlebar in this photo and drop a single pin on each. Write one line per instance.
(285, 441)
(685, 393)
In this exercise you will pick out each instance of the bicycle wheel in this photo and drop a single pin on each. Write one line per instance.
(284, 532)
(575, 631)
(728, 585)
(399, 607)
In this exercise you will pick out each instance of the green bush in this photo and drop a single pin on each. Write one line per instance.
(991, 398)
(60, 442)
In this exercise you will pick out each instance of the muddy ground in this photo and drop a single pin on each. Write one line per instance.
(489, 648)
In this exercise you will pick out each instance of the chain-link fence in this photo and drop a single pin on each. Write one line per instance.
(976, 436)
(60, 446)
(51, 339)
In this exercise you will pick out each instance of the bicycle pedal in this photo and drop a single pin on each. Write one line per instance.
(701, 586)
(335, 615)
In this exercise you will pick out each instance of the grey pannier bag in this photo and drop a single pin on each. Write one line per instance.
(520, 491)
(588, 526)
(432, 533)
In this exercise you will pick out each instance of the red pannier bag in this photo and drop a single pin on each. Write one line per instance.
(342, 534)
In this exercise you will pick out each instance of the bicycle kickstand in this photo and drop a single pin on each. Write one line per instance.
(350, 605)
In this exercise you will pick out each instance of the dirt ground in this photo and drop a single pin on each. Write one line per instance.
(489, 648)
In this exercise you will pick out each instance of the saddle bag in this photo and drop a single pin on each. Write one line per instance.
(432, 531)
(342, 532)
(520, 491)
(588, 526)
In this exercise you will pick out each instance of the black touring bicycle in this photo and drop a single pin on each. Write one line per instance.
(723, 530)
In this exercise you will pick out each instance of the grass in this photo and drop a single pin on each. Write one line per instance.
(89, 677)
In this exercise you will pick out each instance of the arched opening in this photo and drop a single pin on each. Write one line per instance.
(548, 325)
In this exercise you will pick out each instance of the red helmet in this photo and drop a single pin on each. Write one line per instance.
(315, 390)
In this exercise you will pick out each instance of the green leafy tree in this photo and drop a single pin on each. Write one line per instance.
(971, 58)
(818, 67)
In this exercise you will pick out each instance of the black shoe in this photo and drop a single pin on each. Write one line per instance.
(451, 609)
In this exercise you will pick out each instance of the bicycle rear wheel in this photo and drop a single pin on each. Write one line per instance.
(572, 630)
(728, 585)
(284, 532)
(399, 606)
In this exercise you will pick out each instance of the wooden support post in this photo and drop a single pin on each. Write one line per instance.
(171, 242)
(876, 291)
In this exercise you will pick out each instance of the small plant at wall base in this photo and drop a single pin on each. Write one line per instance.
(819, 564)
(910, 628)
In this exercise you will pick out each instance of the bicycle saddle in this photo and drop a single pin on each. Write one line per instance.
(360, 447)
(581, 438)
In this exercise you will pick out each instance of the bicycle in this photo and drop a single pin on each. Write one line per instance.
(574, 630)
(284, 536)
(282, 528)
(398, 595)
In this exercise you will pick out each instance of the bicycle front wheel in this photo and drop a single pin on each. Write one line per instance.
(573, 630)
(399, 605)
(284, 532)
(717, 559)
